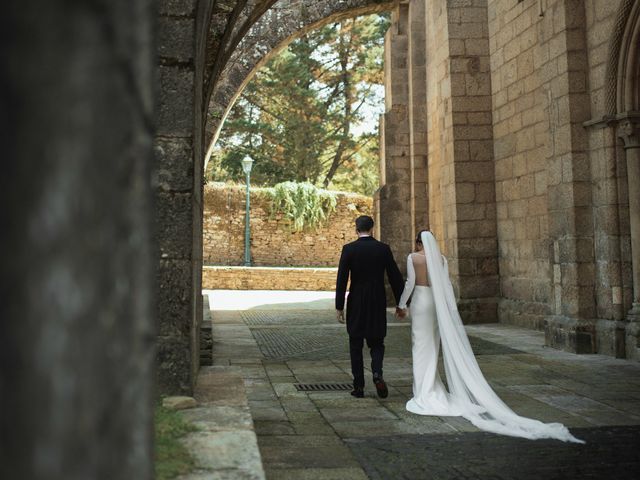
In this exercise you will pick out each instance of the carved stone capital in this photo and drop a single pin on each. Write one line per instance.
(628, 129)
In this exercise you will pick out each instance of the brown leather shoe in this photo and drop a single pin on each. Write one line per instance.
(381, 387)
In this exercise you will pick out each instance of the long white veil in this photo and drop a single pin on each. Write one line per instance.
(469, 391)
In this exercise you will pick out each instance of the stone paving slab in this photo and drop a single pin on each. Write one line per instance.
(306, 451)
(317, 474)
(296, 342)
(610, 453)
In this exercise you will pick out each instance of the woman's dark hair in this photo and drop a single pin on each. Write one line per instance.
(419, 237)
(364, 223)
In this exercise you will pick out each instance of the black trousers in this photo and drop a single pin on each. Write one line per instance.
(376, 347)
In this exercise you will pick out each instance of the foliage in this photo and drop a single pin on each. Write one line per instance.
(303, 203)
(303, 117)
(172, 458)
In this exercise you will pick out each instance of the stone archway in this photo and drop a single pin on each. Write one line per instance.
(207, 50)
(224, 42)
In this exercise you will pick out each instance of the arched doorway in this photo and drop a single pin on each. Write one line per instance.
(208, 69)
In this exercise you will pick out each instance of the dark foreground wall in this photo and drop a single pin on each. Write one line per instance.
(76, 320)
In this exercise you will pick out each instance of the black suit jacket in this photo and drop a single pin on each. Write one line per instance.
(367, 260)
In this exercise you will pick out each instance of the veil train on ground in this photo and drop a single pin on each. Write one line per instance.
(469, 390)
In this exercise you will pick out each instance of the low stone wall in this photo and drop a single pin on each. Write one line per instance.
(272, 241)
(268, 278)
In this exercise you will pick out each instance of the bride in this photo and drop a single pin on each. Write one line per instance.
(434, 320)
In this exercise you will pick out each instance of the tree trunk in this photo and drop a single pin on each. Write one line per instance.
(345, 55)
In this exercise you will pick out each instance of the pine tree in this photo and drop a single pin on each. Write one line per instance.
(296, 117)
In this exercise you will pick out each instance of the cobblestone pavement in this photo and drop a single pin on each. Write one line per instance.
(330, 435)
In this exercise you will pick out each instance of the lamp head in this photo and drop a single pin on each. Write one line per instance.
(247, 163)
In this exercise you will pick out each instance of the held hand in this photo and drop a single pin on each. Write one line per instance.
(340, 316)
(401, 313)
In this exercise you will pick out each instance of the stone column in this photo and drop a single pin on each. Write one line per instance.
(394, 196)
(461, 180)
(77, 317)
(473, 238)
(418, 116)
(177, 198)
(571, 325)
(629, 131)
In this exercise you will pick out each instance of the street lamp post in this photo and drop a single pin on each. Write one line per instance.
(247, 163)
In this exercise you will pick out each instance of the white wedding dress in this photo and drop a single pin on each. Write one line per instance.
(435, 321)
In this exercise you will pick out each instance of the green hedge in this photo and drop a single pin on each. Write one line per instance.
(304, 204)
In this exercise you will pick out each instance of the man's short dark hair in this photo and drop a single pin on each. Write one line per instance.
(364, 223)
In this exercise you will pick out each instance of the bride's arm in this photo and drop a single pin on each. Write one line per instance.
(409, 284)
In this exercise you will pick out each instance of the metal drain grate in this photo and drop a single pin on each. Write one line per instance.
(323, 387)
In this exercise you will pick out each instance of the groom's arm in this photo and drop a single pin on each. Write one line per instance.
(395, 277)
(343, 278)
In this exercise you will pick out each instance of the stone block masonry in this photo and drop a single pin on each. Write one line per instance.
(268, 278)
(273, 242)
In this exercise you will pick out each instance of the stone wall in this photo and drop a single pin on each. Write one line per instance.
(610, 196)
(269, 278)
(393, 199)
(273, 242)
(561, 183)
(178, 203)
(532, 150)
(448, 131)
(520, 128)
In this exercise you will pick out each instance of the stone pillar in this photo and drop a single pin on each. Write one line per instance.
(462, 210)
(418, 116)
(629, 131)
(77, 324)
(177, 198)
(394, 196)
(571, 326)
(473, 240)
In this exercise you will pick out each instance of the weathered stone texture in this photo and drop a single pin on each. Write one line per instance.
(273, 242)
(178, 38)
(520, 128)
(174, 164)
(179, 155)
(442, 214)
(561, 188)
(459, 174)
(175, 115)
(614, 284)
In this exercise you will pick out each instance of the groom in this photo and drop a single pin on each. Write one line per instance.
(366, 260)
